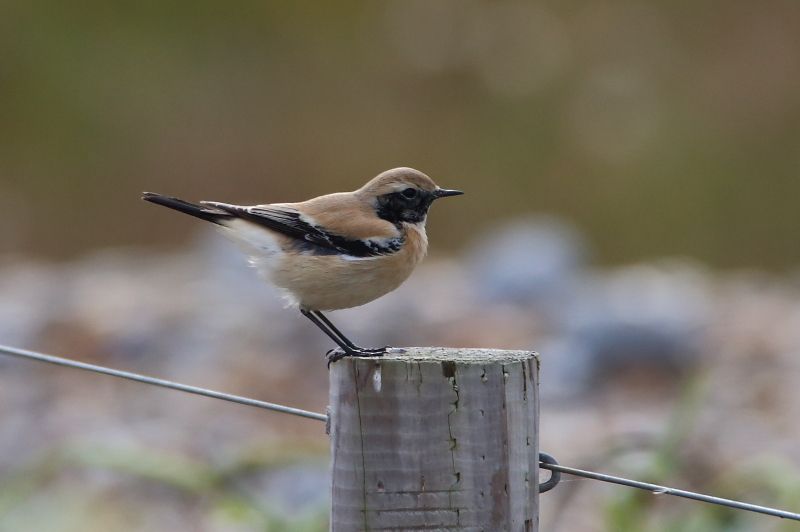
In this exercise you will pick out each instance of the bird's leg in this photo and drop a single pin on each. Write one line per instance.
(347, 346)
(324, 319)
(326, 323)
(344, 343)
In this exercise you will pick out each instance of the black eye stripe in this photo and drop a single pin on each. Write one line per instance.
(397, 207)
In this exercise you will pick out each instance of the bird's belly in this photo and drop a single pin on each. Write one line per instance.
(329, 282)
(335, 282)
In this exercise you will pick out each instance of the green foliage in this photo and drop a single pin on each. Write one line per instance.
(659, 129)
(40, 496)
(772, 483)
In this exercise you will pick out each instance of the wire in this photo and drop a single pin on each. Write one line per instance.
(22, 353)
(655, 489)
(555, 468)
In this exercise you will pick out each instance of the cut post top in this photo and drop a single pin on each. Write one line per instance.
(434, 438)
(459, 355)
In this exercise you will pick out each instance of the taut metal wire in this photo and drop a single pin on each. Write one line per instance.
(50, 359)
(546, 461)
(655, 489)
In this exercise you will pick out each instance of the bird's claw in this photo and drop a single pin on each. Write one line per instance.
(334, 355)
(375, 351)
(337, 353)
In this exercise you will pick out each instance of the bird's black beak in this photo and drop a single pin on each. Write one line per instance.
(443, 193)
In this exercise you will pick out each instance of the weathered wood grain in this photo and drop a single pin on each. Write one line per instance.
(435, 439)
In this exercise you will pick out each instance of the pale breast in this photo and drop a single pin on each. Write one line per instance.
(330, 282)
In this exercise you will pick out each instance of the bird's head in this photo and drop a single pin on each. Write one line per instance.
(403, 195)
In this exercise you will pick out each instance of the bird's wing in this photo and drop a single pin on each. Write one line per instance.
(309, 234)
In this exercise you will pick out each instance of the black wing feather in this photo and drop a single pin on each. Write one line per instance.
(309, 237)
(200, 211)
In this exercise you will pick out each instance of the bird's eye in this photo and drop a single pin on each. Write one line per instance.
(409, 193)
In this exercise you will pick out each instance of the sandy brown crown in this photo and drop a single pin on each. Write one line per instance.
(397, 179)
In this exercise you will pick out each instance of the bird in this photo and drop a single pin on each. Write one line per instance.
(335, 251)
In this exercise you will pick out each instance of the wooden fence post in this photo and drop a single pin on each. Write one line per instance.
(435, 439)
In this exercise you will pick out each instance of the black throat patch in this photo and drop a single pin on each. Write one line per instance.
(397, 208)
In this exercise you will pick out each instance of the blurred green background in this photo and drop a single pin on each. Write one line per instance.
(660, 128)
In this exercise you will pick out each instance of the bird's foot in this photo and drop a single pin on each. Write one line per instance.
(376, 351)
(338, 353)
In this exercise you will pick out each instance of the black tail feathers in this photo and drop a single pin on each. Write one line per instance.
(204, 213)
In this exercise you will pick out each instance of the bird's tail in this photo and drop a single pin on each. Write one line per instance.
(208, 214)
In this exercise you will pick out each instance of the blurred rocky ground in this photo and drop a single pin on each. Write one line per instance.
(662, 370)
